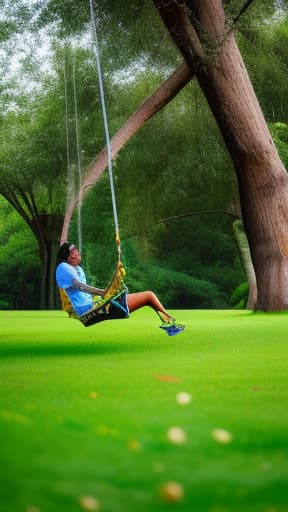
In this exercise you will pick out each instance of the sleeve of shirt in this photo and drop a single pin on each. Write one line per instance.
(81, 275)
(65, 275)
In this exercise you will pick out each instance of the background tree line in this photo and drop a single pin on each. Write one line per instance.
(176, 164)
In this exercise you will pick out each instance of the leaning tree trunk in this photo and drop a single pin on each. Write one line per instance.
(198, 28)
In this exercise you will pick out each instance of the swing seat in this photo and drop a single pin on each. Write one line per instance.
(115, 308)
(111, 307)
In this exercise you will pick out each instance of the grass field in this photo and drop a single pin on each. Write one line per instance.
(84, 412)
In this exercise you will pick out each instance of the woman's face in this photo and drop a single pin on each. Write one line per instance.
(74, 257)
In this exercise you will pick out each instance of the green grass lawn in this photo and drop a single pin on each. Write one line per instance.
(85, 412)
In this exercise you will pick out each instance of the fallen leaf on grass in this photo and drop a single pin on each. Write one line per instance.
(172, 492)
(134, 445)
(167, 378)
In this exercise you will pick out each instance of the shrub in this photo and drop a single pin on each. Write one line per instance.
(5, 305)
(239, 296)
(176, 289)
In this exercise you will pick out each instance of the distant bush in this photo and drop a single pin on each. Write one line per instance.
(19, 262)
(5, 305)
(241, 304)
(176, 289)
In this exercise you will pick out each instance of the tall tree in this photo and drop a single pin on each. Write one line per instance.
(31, 162)
(200, 32)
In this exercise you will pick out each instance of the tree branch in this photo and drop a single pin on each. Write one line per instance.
(182, 216)
(244, 8)
(12, 198)
(160, 98)
(176, 17)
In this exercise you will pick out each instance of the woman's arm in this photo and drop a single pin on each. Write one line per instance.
(86, 288)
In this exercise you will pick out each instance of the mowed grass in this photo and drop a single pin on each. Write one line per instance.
(85, 412)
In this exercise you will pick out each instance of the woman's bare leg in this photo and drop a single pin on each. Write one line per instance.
(148, 298)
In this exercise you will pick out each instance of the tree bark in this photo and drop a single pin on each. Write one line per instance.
(198, 29)
(46, 229)
(160, 98)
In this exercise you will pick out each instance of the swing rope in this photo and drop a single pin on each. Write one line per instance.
(67, 133)
(70, 179)
(107, 136)
(114, 303)
(79, 220)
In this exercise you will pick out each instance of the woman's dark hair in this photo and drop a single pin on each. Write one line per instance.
(64, 252)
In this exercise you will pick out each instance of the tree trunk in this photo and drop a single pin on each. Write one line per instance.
(244, 251)
(46, 229)
(198, 29)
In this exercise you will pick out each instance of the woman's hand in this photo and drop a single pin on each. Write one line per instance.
(97, 291)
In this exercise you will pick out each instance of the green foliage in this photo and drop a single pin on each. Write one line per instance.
(7, 28)
(5, 305)
(264, 47)
(210, 254)
(121, 26)
(279, 133)
(255, 15)
(32, 155)
(239, 296)
(19, 263)
(16, 15)
(178, 163)
(176, 289)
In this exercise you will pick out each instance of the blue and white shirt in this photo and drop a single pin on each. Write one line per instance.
(65, 274)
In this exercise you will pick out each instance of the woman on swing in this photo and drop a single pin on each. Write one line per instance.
(71, 277)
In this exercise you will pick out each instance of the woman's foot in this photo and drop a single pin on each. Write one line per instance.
(169, 324)
(165, 318)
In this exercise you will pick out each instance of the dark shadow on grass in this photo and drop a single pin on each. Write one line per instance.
(68, 349)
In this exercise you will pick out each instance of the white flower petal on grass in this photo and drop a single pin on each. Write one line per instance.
(172, 492)
(177, 435)
(183, 398)
(89, 503)
(221, 436)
